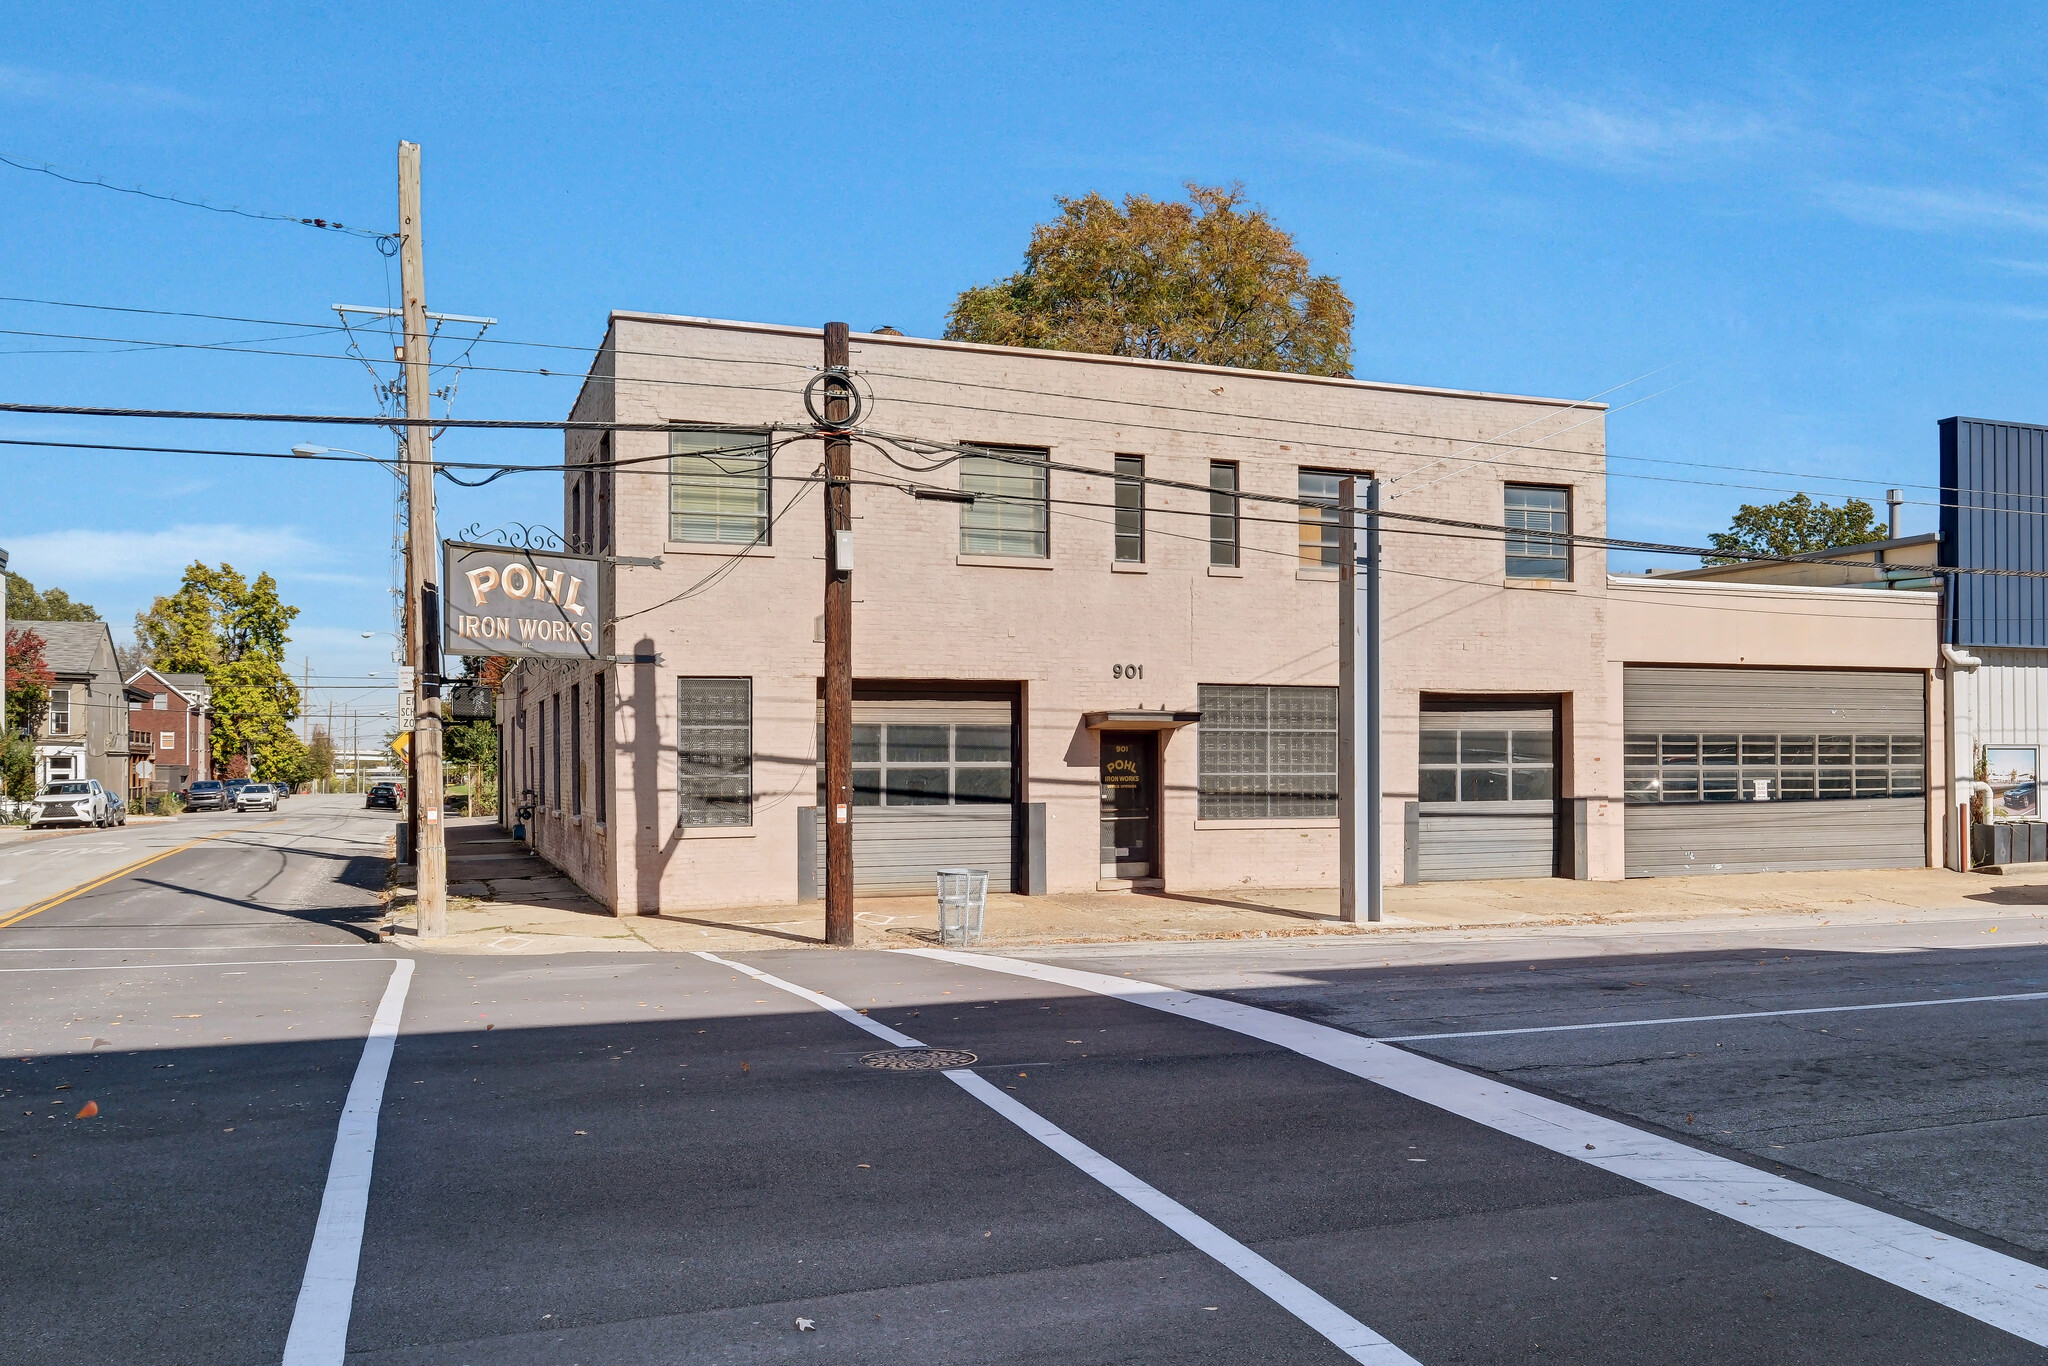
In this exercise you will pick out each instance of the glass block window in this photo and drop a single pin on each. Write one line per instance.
(1771, 767)
(1266, 753)
(1010, 513)
(1223, 525)
(927, 764)
(714, 751)
(718, 487)
(1531, 510)
(1130, 509)
(1477, 764)
(1319, 524)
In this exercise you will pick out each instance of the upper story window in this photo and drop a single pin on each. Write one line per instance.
(576, 515)
(1532, 508)
(1130, 509)
(718, 487)
(1223, 512)
(604, 493)
(1010, 513)
(1319, 524)
(160, 702)
(60, 711)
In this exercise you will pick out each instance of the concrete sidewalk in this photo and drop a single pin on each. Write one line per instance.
(550, 915)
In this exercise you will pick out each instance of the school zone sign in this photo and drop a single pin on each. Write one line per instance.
(497, 600)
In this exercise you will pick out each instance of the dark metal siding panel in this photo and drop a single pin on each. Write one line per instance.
(1466, 843)
(1660, 699)
(1995, 490)
(1776, 837)
(896, 853)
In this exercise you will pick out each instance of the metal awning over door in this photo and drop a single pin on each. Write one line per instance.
(935, 786)
(1772, 770)
(1487, 788)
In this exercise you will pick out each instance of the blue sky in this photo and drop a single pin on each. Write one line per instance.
(1815, 231)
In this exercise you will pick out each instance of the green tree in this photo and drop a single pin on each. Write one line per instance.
(1208, 281)
(17, 768)
(233, 630)
(28, 681)
(25, 604)
(1796, 526)
(320, 756)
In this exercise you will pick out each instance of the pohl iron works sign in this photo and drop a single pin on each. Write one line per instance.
(507, 600)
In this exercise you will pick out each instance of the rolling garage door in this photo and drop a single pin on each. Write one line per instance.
(934, 786)
(1487, 791)
(1773, 770)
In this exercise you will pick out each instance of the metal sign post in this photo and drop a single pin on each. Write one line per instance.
(1358, 701)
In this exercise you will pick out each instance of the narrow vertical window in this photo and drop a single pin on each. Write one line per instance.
(60, 711)
(600, 744)
(604, 493)
(576, 749)
(1010, 512)
(540, 754)
(576, 514)
(1538, 519)
(1130, 509)
(714, 751)
(555, 751)
(1222, 512)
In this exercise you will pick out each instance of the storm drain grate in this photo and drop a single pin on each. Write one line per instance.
(919, 1059)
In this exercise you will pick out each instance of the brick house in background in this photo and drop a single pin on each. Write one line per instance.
(179, 721)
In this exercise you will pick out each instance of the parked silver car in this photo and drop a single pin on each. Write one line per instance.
(256, 797)
(72, 802)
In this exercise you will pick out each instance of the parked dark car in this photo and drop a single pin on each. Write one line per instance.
(208, 795)
(2021, 799)
(383, 794)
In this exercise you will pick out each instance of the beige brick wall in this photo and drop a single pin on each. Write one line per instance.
(1452, 623)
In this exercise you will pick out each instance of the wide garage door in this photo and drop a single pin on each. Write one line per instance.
(1773, 770)
(1487, 789)
(934, 786)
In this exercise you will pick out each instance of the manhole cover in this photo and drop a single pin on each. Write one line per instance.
(919, 1059)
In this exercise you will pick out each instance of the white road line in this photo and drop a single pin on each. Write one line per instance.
(319, 1333)
(216, 963)
(1346, 1333)
(1708, 1019)
(1987, 1286)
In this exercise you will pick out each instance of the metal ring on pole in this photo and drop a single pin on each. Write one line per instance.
(856, 402)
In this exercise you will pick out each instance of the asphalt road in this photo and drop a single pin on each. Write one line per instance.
(649, 1158)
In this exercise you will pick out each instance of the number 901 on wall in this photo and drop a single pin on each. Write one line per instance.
(1127, 671)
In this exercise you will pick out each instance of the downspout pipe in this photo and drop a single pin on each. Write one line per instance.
(1957, 825)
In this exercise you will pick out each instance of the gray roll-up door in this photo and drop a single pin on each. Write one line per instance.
(1773, 770)
(1488, 784)
(935, 787)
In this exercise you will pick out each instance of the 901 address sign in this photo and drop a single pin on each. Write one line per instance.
(1127, 671)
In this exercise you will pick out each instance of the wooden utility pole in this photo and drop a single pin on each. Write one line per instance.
(430, 848)
(838, 645)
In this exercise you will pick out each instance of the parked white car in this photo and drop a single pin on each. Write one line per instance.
(73, 802)
(256, 797)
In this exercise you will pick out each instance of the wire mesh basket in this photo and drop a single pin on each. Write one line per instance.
(963, 899)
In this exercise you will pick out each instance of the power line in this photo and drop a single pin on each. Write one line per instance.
(386, 242)
(922, 446)
(237, 349)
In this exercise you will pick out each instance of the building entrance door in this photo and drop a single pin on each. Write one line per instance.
(1130, 786)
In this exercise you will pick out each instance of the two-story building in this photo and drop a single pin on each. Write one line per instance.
(85, 734)
(1094, 639)
(175, 716)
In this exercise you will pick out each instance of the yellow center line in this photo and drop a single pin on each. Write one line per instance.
(15, 918)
